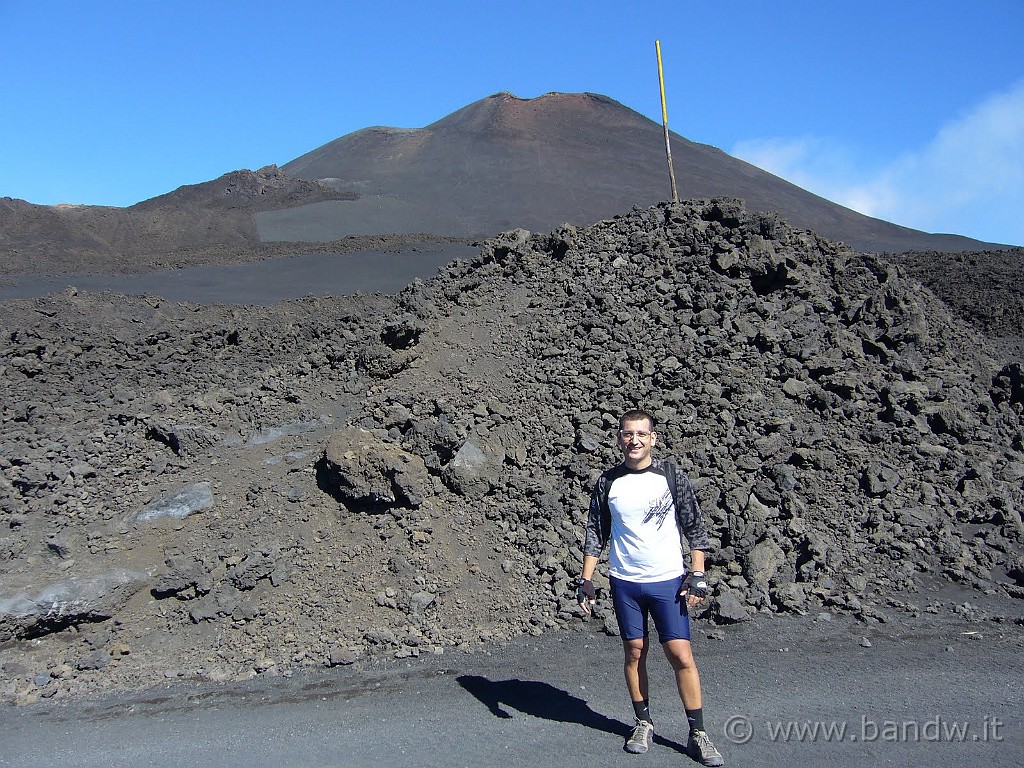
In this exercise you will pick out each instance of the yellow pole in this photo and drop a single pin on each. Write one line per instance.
(664, 122)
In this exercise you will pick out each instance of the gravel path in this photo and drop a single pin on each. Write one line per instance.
(919, 692)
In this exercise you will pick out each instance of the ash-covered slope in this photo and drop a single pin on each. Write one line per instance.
(214, 493)
(506, 162)
(195, 224)
(984, 287)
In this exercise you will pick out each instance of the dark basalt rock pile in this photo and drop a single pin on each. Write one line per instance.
(218, 492)
(843, 428)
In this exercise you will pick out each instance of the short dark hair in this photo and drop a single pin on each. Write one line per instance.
(636, 415)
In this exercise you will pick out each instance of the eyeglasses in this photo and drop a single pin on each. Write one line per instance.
(641, 436)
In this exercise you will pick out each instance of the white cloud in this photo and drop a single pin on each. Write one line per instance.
(967, 180)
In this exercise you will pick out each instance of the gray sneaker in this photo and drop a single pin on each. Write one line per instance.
(637, 741)
(700, 748)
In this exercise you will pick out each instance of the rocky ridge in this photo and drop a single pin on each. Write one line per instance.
(218, 492)
(183, 227)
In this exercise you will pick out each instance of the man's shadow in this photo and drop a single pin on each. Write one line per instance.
(545, 701)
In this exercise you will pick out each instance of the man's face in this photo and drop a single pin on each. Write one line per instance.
(636, 438)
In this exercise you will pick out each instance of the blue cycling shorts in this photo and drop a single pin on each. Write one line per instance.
(635, 601)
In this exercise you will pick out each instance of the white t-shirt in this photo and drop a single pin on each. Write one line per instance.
(645, 542)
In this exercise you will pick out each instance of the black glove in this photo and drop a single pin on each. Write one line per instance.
(585, 592)
(694, 585)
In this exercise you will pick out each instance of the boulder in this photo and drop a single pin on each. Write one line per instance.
(878, 478)
(180, 505)
(728, 609)
(475, 468)
(32, 613)
(364, 469)
(185, 439)
(763, 563)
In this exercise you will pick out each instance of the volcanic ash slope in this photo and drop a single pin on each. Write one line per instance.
(221, 492)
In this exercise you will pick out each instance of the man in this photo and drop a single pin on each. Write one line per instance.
(643, 508)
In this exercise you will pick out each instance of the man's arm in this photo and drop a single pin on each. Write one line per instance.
(593, 539)
(585, 594)
(691, 519)
(593, 543)
(695, 585)
(697, 560)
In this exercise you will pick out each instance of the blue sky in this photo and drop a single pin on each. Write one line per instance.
(909, 111)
